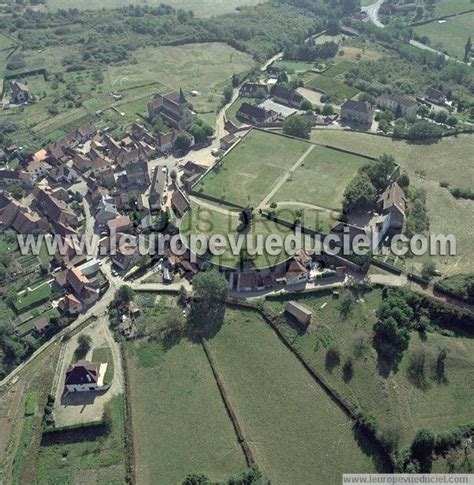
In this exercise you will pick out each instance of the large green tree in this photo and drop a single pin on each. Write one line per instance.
(208, 305)
(299, 126)
(359, 193)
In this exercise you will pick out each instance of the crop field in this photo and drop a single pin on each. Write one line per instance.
(295, 430)
(150, 70)
(322, 179)
(180, 425)
(252, 168)
(203, 220)
(395, 401)
(202, 8)
(451, 35)
(331, 87)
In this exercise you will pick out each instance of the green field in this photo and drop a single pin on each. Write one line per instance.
(202, 67)
(295, 430)
(394, 401)
(322, 179)
(252, 168)
(99, 459)
(39, 294)
(338, 69)
(203, 220)
(448, 7)
(202, 8)
(297, 66)
(450, 36)
(180, 425)
(447, 160)
(331, 87)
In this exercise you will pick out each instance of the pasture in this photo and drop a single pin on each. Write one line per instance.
(253, 168)
(202, 8)
(447, 160)
(450, 36)
(180, 425)
(396, 402)
(295, 430)
(322, 179)
(448, 7)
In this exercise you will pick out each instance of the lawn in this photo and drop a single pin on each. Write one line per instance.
(202, 220)
(103, 355)
(295, 430)
(322, 179)
(331, 87)
(202, 8)
(449, 36)
(448, 160)
(91, 458)
(39, 294)
(252, 168)
(6, 42)
(394, 401)
(180, 425)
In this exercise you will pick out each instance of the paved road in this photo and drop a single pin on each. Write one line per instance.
(372, 12)
(214, 207)
(308, 206)
(415, 43)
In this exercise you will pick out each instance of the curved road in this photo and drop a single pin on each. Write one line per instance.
(372, 12)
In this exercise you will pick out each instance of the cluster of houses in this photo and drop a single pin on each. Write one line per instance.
(362, 112)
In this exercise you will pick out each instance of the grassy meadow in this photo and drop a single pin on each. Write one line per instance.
(322, 179)
(331, 87)
(396, 401)
(295, 430)
(447, 160)
(180, 425)
(97, 458)
(448, 7)
(451, 35)
(202, 67)
(252, 168)
(202, 8)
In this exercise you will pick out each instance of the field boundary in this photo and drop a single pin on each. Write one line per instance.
(430, 21)
(249, 456)
(319, 380)
(130, 464)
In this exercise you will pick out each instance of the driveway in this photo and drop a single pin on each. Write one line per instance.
(86, 407)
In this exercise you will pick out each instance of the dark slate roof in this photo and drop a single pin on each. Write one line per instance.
(253, 111)
(82, 373)
(359, 106)
(290, 96)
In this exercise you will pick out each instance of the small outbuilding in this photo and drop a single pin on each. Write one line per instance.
(299, 312)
